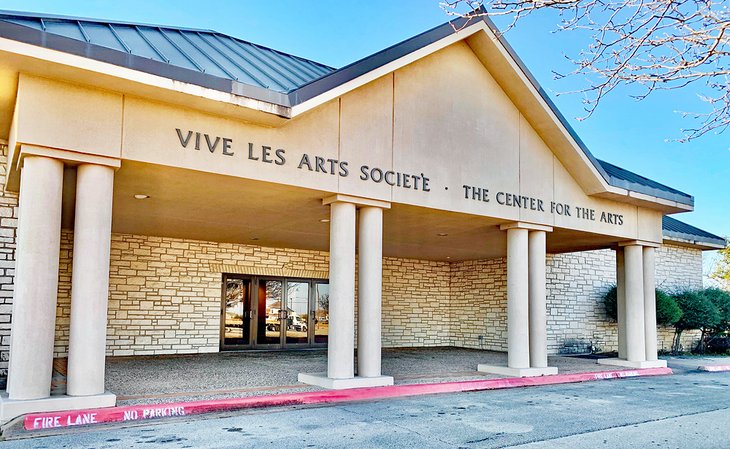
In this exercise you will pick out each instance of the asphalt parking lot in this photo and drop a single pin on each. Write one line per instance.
(685, 410)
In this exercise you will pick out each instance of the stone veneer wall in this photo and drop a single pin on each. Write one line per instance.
(165, 295)
(576, 283)
(8, 225)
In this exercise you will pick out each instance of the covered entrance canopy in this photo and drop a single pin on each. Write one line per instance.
(441, 148)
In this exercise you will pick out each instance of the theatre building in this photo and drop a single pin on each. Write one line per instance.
(179, 191)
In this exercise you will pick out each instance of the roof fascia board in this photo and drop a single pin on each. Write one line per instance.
(695, 241)
(355, 75)
(184, 90)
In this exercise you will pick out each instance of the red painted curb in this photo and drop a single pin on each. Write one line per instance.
(36, 421)
(714, 368)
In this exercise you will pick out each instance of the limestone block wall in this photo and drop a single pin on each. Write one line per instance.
(678, 268)
(8, 226)
(576, 283)
(478, 304)
(415, 303)
(165, 294)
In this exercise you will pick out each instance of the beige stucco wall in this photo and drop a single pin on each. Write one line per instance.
(396, 122)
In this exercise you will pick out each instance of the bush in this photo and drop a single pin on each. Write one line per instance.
(698, 312)
(721, 300)
(611, 303)
(667, 310)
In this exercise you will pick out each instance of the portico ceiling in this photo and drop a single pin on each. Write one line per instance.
(200, 206)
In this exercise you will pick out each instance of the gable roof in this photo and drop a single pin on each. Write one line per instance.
(224, 63)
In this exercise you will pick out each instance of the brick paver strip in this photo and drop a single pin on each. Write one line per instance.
(37, 421)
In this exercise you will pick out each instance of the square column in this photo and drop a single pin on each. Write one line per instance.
(526, 304)
(340, 349)
(90, 280)
(639, 313)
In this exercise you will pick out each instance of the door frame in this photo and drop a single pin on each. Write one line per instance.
(222, 337)
(254, 282)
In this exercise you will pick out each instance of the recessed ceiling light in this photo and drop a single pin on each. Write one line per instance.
(324, 220)
(442, 234)
(448, 257)
(141, 196)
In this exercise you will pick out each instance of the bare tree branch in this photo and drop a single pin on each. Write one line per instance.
(653, 44)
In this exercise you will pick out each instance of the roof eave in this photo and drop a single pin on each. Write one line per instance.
(694, 241)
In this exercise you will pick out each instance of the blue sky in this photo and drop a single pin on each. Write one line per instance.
(634, 135)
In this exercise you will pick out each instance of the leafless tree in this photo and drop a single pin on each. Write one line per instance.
(653, 44)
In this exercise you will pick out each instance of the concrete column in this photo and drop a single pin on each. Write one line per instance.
(621, 301)
(650, 339)
(370, 291)
(634, 286)
(340, 349)
(36, 279)
(518, 340)
(538, 307)
(90, 280)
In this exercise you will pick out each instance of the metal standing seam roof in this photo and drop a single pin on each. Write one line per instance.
(218, 61)
(207, 52)
(673, 228)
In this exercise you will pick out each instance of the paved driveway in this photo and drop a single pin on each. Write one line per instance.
(687, 410)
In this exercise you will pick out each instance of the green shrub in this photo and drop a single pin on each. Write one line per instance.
(610, 302)
(698, 311)
(721, 300)
(667, 310)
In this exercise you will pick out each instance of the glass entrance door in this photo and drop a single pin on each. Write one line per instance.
(321, 312)
(273, 313)
(297, 313)
(236, 312)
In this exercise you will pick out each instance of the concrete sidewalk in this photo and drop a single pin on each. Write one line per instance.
(149, 380)
(164, 379)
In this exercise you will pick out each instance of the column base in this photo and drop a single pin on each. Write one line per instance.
(11, 408)
(629, 364)
(321, 380)
(517, 372)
